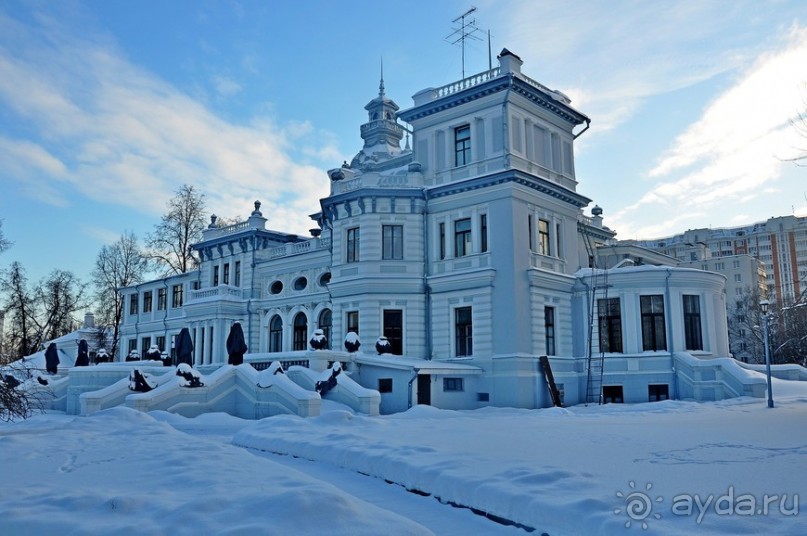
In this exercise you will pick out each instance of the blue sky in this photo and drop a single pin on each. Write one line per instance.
(106, 108)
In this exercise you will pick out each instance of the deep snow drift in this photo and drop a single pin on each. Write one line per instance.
(583, 470)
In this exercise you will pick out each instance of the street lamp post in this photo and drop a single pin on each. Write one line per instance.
(764, 306)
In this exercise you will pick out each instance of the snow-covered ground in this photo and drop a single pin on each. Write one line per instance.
(674, 467)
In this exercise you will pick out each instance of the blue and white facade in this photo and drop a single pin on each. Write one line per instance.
(467, 249)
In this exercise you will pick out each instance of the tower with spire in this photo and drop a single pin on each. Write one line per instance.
(381, 133)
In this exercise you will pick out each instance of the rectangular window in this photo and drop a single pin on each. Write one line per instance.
(483, 230)
(353, 322)
(658, 392)
(384, 385)
(654, 334)
(176, 296)
(442, 241)
(462, 146)
(543, 238)
(162, 299)
(463, 331)
(132, 345)
(237, 275)
(462, 237)
(352, 245)
(133, 304)
(215, 276)
(609, 315)
(393, 329)
(738, 278)
(225, 276)
(530, 233)
(392, 242)
(453, 384)
(692, 323)
(145, 344)
(147, 300)
(549, 329)
(161, 343)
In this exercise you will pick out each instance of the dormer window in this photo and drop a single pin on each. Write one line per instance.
(462, 145)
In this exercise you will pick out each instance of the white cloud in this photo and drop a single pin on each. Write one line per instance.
(121, 135)
(734, 152)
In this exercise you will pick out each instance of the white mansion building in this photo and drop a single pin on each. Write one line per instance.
(470, 253)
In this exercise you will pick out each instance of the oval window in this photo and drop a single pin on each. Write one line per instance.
(300, 283)
(324, 279)
(276, 287)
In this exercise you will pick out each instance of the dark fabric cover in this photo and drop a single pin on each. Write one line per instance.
(325, 386)
(236, 346)
(83, 358)
(139, 383)
(52, 359)
(193, 381)
(153, 355)
(184, 347)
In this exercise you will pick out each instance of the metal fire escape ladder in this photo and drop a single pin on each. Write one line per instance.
(595, 361)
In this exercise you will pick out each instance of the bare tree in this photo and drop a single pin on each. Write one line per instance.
(4, 243)
(170, 243)
(745, 335)
(44, 312)
(18, 312)
(15, 400)
(118, 265)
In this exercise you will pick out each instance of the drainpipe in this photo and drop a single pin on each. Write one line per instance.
(588, 124)
(251, 287)
(506, 125)
(415, 372)
(165, 311)
(668, 322)
(426, 288)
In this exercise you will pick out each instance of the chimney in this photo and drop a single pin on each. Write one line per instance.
(509, 62)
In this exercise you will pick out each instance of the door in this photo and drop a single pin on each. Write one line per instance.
(425, 389)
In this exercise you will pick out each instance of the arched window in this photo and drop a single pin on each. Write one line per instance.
(300, 340)
(325, 324)
(276, 334)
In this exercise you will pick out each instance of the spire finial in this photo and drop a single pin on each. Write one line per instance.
(381, 84)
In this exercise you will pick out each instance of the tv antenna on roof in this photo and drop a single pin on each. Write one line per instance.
(467, 29)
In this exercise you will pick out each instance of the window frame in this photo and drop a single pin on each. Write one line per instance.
(654, 328)
(176, 296)
(693, 329)
(299, 339)
(463, 239)
(609, 318)
(162, 299)
(462, 145)
(549, 330)
(148, 301)
(544, 242)
(463, 332)
(392, 242)
(453, 384)
(275, 334)
(352, 241)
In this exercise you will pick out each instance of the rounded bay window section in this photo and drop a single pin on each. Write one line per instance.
(300, 283)
(276, 287)
(325, 279)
